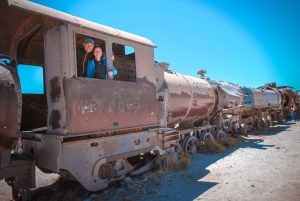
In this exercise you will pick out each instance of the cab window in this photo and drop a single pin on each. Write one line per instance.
(124, 62)
(82, 58)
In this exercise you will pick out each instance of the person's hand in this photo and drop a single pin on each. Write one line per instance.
(110, 74)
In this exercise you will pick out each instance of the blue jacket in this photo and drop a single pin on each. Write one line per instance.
(90, 70)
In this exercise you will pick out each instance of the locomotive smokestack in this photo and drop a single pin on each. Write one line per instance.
(165, 65)
(272, 84)
(201, 74)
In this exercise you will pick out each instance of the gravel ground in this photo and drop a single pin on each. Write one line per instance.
(265, 166)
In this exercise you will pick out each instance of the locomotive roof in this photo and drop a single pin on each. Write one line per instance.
(61, 16)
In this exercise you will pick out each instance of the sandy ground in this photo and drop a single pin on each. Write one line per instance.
(265, 166)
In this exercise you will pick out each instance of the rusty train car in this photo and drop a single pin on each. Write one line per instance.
(97, 131)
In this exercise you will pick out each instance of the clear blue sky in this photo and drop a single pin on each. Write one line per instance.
(246, 42)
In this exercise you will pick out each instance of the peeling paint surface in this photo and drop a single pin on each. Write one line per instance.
(107, 104)
(54, 119)
(8, 107)
(55, 91)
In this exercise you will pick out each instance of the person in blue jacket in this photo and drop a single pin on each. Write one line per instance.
(97, 67)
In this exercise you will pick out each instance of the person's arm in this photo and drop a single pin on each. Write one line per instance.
(90, 70)
(114, 71)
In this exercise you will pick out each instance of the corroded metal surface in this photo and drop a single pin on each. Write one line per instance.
(290, 96)
(98, 105)
(55, 14)
(229, 95)
(261, 97)
(17, 24)
(9, 106)
(34, 111)
(84, 165)
(191, 99)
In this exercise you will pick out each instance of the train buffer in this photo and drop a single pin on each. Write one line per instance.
(19, 173)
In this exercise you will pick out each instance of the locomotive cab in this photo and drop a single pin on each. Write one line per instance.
(89, 130)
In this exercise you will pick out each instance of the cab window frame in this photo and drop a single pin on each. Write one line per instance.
(85, 35)
(123, 74)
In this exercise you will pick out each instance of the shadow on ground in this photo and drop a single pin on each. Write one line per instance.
(254, 140)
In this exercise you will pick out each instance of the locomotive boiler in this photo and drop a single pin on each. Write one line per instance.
(261, 106)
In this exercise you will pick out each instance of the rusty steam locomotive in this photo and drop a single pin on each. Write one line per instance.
(97, 131)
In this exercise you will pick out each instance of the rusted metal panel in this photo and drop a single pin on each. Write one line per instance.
(8, 26)
(289, 96)
(230, 95)
(55, 89)
(99, 105)
(45, 149)
(203, 101)
(286, 98)
(55, 14)
(190, 98)
(261, 97)
(10, 106)
(85, 164)
(271, 98)
(56, 68)
(16, 25)
(34, 111)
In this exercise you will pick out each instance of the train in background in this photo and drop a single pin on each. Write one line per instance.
(97, 131)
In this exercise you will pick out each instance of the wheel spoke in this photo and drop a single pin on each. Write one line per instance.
(190, 145)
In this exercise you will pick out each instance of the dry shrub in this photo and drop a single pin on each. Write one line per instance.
(184, 162)
(173, 162)
(229, 142)
(212, 147)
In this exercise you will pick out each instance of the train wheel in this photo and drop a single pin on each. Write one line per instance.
(220, 135)
(206, 136)
(233, 132)
(280, 118)
(256, 124)
(177, 148)
(190, 145)
(270, 121)
(239, 130)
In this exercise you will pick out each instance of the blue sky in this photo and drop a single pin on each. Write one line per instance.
(31, 79)
(246, 42)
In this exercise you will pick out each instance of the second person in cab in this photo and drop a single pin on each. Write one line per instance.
(97, 67)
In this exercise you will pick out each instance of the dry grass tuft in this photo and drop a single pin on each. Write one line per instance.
(173, 162)
(230, 142)
(184, 162)
(212, 147)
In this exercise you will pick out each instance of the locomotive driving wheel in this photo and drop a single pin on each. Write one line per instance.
(263, 123)
(206, 136)
(233, 131)
(270, 120)
(177, 148)
(220, 135)
(280, 117)
(190, 145)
